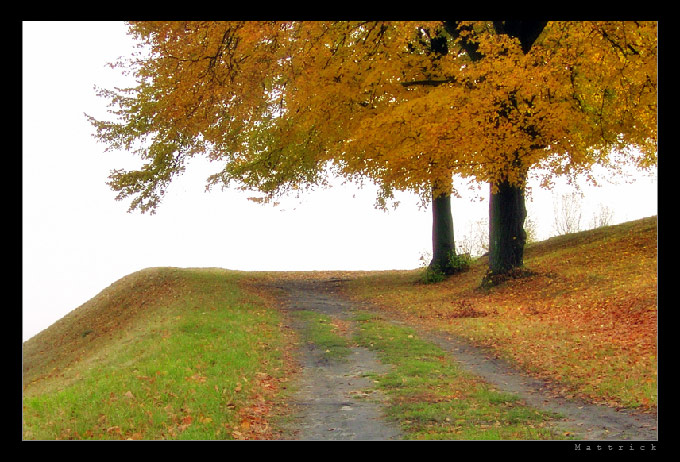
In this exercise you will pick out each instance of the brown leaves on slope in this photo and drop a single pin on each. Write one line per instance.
(586, 318)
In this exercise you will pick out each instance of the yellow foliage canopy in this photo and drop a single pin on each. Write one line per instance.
(404, 104)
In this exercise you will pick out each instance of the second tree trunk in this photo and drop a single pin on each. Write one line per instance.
(443, 244)
(507, 212)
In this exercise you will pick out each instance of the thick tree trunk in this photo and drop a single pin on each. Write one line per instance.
(443, 244)
(507, 212)
(507, 209)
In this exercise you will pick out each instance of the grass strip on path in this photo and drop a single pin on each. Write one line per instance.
(323, 332)
(433, 399)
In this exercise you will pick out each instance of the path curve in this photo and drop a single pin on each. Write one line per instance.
(590, 422)
(329, 411)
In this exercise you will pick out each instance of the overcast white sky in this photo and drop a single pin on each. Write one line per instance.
(77, 239)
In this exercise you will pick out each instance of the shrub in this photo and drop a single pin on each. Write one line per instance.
(457, 264)
(432, 274)
(460, 262)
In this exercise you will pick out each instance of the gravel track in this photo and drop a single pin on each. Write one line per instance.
(335, 400)
(332, 402)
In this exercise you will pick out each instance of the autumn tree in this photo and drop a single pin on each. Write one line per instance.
(279, 104)
(507, 97)
(566, 96)
(406, 105)
(561, 96)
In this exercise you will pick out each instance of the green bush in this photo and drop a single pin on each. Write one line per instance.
(460, 263)
(457, 264)
(432, 274)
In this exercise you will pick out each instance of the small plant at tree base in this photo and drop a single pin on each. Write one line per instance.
(432, 274)
(457, 264)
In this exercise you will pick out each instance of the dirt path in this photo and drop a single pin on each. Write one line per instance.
(588, 421)
(332, 403)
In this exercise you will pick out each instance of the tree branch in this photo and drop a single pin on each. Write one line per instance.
(428, 82)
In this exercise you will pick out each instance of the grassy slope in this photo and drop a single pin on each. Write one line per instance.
(586, 319)
(189, 353)
(163, 353)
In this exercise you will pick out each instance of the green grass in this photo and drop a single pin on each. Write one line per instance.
(186, 370)
(432, 398)
(319, 329)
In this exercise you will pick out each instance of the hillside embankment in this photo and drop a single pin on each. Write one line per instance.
(147, 358)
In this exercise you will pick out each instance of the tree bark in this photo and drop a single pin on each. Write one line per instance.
(507, 212)
(507, 209)
(443, 243)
